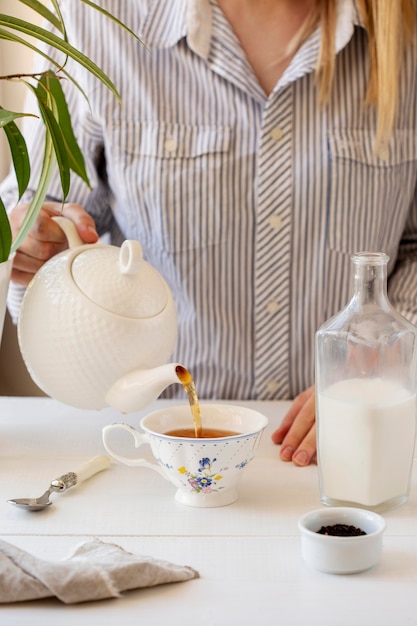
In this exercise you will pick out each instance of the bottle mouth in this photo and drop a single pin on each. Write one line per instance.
(370, 258)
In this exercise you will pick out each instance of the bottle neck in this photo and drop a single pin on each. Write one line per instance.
(370, 278)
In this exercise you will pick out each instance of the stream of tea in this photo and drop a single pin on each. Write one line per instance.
(187, 381)
(197, 432)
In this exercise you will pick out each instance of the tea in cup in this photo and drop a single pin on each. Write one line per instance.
(206, 470)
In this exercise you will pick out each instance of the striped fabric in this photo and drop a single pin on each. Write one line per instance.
(250, 206)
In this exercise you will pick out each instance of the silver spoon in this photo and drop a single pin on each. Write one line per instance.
(64, 482)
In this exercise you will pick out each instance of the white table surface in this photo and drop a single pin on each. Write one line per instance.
(248, 554)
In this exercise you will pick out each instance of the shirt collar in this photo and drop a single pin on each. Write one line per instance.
(171, 20)
(305, 60)
(347, 19)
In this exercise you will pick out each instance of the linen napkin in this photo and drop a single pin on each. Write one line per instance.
(96, 570)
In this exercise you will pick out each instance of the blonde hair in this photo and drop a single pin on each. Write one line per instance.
(390, 25)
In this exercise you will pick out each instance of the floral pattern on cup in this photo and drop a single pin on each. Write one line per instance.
(205, 479)
(206, 472)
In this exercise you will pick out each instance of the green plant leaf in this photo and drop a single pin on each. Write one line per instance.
(43, 11)
(57, 9)
(9, 116)
(51, 39)
(6, 35)
(20, 156)
(5, 233)
(52, 127)
(48, 166)
(60, 145)
(59, 149)
(75, 157)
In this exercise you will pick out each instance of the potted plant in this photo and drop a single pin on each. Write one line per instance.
(61, 148)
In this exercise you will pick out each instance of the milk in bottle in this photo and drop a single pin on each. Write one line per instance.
(366, 396)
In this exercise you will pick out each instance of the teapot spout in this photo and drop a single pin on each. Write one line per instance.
(141, 387)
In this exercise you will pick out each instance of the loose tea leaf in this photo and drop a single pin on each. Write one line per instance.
(341, 530)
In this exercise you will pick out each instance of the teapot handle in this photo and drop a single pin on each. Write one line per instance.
(71, 233)
(130, 255)
(140, 439)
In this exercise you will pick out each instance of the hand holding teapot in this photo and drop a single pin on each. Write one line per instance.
(46, 238)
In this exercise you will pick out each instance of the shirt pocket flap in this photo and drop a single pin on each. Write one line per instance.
(358, 146)
(162, 140)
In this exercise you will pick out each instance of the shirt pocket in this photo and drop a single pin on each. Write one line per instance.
(173, 178)
(369, 195)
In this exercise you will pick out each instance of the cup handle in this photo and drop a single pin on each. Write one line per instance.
(140, 439)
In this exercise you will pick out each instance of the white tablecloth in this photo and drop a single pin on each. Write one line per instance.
(248, 553)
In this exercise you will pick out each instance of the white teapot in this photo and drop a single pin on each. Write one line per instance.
(94, 319)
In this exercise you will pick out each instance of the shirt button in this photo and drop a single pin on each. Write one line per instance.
(272, 307)
(170, 145)
(275, 221)
(276, 133)
(272, 386)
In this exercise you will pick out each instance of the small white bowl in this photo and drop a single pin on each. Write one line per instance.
(341, 555)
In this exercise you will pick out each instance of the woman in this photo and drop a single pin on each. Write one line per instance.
(258, 146)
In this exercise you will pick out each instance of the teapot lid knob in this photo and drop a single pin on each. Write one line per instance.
(130, 257)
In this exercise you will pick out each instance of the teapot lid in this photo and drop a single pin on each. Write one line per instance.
(120, 280)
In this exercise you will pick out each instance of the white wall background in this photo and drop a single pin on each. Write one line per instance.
(14, 379)
(13, 59)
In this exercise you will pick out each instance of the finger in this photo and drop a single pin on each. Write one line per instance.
(47, 229)
(25, 266)
(21, 278)
(43, 229)
(289, 418)
(84, 223)
(306, 451)
(33, 255)
(34, 251)
(300, 431)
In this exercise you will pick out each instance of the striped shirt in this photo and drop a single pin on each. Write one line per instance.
(249, 205)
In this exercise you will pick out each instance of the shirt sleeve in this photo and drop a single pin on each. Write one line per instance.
(402, 285)
(14, 300)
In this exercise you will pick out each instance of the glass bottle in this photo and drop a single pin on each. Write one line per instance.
(366, 372)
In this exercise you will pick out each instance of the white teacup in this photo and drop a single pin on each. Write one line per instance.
(205, 471)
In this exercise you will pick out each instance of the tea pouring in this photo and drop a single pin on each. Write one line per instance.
(93, 319)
